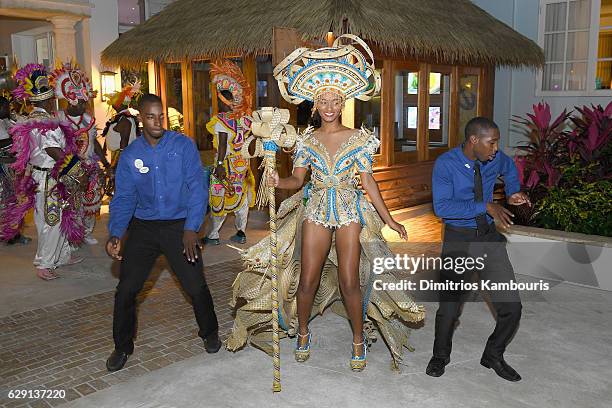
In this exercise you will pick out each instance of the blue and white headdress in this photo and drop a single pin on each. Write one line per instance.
(305, 74)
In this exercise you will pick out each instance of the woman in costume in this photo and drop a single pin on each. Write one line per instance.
(328, 233)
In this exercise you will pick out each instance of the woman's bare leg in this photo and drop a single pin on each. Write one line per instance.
(316, 241)
(348, 249)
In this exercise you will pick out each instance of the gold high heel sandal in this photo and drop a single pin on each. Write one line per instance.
(358, 363)
(302, 353)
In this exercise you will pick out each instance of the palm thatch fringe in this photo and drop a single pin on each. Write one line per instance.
(444, 31)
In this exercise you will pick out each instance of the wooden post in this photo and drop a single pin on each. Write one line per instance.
(486, 87)
(453, 126)
(387, 114)
(423, 114)
(162, 91)
(187, 90)
(249, 69)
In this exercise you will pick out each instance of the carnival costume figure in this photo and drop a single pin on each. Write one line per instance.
(121, 129)
(72, 85)
(7, 175)
(328, 233)
(232, 186)
(48, 175)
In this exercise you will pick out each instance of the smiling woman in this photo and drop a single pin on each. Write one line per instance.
(329, 232)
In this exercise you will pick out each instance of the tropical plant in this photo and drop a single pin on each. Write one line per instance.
(584, 207)
(540, 161)
(567, 169)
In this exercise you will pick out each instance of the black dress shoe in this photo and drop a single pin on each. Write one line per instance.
(117, 360)
(501, 368)
(212, 343)
(436, 365)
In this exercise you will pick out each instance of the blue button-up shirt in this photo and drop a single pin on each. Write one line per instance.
(453, 186)
(162, 182)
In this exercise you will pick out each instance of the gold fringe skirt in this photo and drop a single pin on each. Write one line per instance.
(388, 312)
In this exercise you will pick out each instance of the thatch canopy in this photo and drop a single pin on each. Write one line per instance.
(448, 31)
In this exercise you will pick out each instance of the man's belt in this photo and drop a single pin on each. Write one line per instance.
(473, 232)
(40, 168)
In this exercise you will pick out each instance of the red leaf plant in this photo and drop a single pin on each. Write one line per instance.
(542, 156)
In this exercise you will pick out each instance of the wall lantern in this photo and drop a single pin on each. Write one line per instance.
(107, 84)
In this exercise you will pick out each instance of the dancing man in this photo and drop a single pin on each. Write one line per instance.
(161, 196)
(463, 181)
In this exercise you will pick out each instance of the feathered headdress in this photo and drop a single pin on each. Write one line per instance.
(71, 83)
(33, 83)
(227, 76)
(125, 96)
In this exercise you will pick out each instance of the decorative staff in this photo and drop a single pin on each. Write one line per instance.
(271, 131)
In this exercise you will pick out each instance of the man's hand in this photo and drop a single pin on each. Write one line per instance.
(500, 214)
(219, 172)
(191, 245)
(113, 247)
(519, 198)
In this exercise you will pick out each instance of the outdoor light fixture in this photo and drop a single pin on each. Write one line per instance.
(107, 84)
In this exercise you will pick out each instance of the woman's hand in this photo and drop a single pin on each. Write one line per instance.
(273, 179)
(400, 229)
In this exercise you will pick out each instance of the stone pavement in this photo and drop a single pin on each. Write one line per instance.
(60, 341)
(65, 346)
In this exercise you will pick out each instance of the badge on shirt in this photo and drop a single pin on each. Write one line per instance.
(139, 164)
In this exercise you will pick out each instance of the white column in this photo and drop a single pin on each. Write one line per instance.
(64, 37)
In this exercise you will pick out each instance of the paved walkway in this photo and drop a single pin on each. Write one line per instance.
(58, 337)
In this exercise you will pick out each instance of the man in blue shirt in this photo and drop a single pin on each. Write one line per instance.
(462, 184)
(161, 194)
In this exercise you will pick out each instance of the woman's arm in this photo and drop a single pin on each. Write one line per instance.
(295, 181)
(371, 187)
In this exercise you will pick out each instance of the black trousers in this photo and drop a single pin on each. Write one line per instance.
(146, 241)
(464, 242)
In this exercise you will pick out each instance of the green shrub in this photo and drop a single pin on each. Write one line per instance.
(583, 207)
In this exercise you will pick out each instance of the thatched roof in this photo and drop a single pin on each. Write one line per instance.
(449, 31)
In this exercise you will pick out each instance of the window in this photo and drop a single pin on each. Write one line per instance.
(576, 36)
(603, 74)
(174, 96)
(439, 107)
(44, 49)
(202, 109)
(267, 88)
(406, 110)
(468, 98)
(367, 113)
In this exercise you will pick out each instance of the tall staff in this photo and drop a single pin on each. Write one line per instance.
(271, 131)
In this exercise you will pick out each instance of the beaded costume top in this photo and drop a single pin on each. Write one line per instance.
(333, 196)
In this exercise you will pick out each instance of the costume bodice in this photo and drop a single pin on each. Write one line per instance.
(333, 196)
